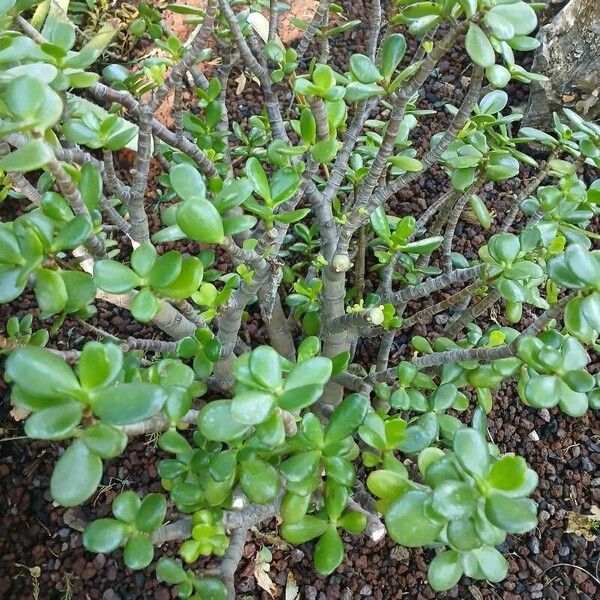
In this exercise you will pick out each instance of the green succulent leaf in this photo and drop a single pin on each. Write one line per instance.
(138, 552)
(445, 570)
(127, 403)
(329, 551)
(515, 515)
(346, 418)
(104, 535)
(76, 475)
(407, 522)
(187, 182)
(479, 47)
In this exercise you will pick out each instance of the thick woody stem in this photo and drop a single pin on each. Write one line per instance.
(113, 216)
(354, 382)
(278, 328)
(374, 28)
(231, 560)
(230, 319)
(385, 347)
(311, 30)
(104, 93)
(190, 313)
(323, 41)
(481, 354)
(436, 283)
(71, 194)
(334, 342)
(156, 424)
(178, 109)
(355, 320)
(174, 78)
(317, 107)
(427, 313)
(138, 218)
(240, 522)
(273, 19)
(114, 184)
(240, 255)
(149, 345)
(359, 268)
(453, 222)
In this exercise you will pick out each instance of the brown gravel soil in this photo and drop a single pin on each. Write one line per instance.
(41, 555)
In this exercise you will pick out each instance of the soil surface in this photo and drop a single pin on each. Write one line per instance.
(41, 555)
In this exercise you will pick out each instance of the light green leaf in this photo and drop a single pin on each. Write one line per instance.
(445, 570)
(127, 403)
(187, 182)
(76, 475)
(31, 156)
(479, 47)
(104, 535)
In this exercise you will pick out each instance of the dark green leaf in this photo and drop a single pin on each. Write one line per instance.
(329, 551)
(346, 418)
(304, 530)
(259, 480)
(251, 407)
(472, 452)
(151, 513)
(200, 221)
(29, 157)
(364, 69)
(114, 277)
(392, 52)
(104, 440)
(515, 515)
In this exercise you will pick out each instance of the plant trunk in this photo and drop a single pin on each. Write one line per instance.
(569, 55)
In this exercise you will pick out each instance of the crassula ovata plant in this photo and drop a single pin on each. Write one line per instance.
(297, 198)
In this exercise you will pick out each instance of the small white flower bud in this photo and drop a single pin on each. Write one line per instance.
(376, 316)
(341, 263)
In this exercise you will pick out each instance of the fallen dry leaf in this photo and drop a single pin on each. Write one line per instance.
(261, 574)
(584, 524)
(475, 593)
(19, 414)
(291, 588)
(270, 539)
(241, 81)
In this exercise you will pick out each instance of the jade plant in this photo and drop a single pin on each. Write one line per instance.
(285, 217)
